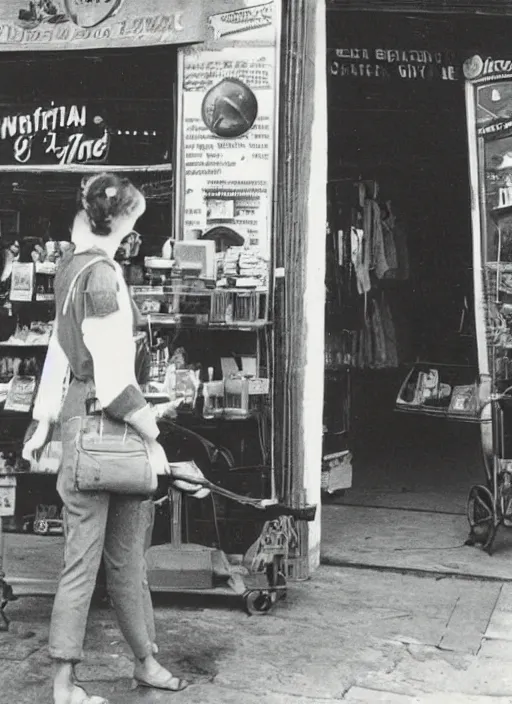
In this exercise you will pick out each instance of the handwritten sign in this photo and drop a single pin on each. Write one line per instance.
(56, 134)
(388, 64)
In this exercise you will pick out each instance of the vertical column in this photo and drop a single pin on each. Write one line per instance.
(314, 299)
(300, 252)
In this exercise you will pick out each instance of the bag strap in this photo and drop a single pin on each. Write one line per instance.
(71, 292)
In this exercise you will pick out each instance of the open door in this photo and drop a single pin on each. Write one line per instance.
(489, 114)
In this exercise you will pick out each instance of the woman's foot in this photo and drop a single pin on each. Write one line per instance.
(74, 695)
(149, 673)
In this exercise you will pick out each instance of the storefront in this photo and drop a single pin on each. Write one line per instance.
(416, 155)
(184, 101)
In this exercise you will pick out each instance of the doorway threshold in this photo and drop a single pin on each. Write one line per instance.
(399, 540)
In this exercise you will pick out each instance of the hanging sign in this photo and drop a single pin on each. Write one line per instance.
(388, 64)
(90, 24)
(59, 134)
(241, 20)
(478, 68)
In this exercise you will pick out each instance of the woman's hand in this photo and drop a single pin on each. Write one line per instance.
(191, 488)
(36, 442)
(160, 465)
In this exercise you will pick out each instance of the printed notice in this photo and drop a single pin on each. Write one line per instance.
(228, 142)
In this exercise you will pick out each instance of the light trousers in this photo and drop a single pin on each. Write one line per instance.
(95, 525)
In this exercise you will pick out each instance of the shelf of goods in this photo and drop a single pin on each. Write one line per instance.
(441, 391)
(192, 306)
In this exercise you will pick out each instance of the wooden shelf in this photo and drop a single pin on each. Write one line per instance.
(14, 345)
(437, 413)
(161, 319)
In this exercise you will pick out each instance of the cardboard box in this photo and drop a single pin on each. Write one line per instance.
(336, 472)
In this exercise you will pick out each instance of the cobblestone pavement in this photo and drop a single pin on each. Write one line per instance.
(352, 635)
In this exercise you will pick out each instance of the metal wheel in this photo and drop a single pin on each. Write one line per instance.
(482, 517)
(41, 526)
(258, 603)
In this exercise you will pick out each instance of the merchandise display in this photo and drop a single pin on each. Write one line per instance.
(37, 333)
(199, 289)
(401, 357)
(183, 307)
(370, 249)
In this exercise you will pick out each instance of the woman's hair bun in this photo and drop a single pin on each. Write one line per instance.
(106, 197)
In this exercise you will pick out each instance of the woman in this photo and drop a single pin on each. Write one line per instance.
(95, 338)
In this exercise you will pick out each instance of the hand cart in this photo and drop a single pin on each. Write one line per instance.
(186, 568)
(490, 505)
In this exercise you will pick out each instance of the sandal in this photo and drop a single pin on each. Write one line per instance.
(80, 696)
(169, 683)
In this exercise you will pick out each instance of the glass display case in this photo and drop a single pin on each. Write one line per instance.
(489, 111)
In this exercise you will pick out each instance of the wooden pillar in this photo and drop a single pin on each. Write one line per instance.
(299, 256)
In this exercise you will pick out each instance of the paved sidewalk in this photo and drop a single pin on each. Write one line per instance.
(351, 635)
(410, 540)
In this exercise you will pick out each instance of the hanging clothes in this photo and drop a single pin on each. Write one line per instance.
(374, 346)
(360, 259)
(372, 226)
(395, 245)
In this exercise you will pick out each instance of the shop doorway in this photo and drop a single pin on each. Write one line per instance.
(398, 138)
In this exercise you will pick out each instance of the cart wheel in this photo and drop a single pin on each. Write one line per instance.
(481, 513)
(258, 603)
(41, 527)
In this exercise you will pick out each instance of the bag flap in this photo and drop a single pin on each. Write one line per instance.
(99, 433)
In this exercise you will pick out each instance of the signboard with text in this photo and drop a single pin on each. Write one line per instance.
(65, 133)
(57, 134)
(393, 64)
(31, 25)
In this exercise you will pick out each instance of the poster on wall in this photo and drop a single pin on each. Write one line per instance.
(494, 131)
(228, 147)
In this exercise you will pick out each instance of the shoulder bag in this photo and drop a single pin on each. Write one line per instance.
(107, 454)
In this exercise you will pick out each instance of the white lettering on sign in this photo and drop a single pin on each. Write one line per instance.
(496, 127)
(406, 64)
(43, 120)
(493, 66)
(78, 149)
(352, 54)
(62, 132)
